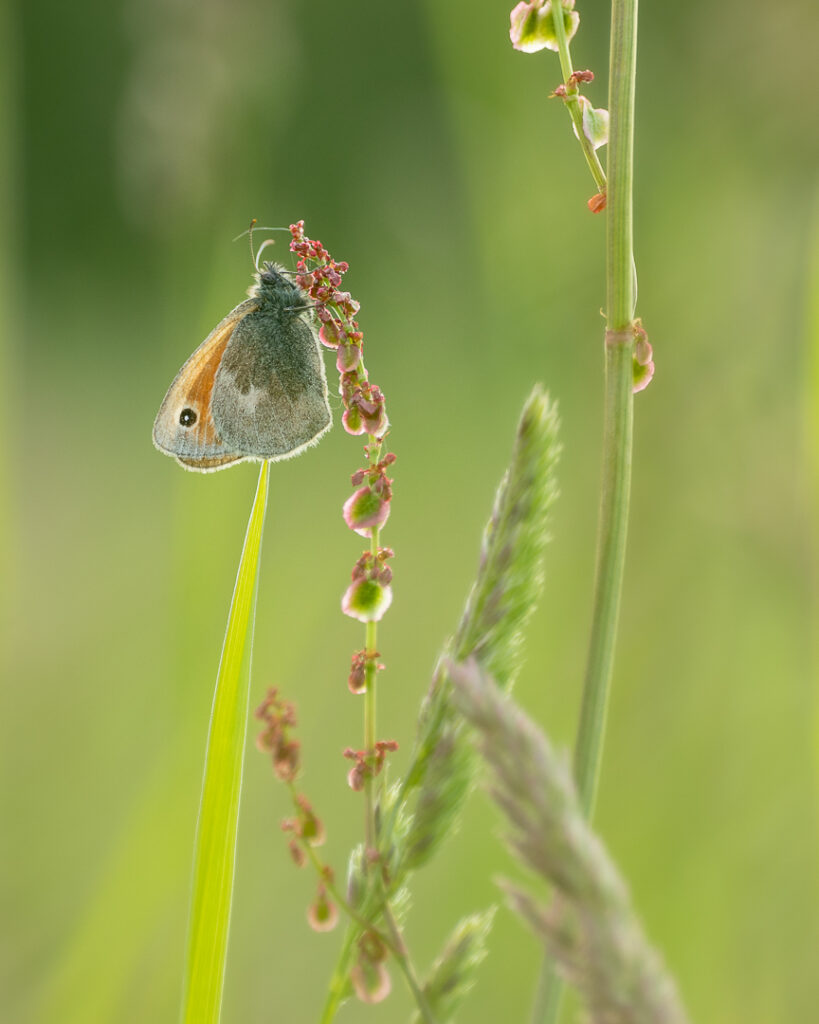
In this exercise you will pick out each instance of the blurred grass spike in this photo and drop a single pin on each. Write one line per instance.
(215, 849)
(453, 973)
(589, 927)
(504, 596)
(415, 814)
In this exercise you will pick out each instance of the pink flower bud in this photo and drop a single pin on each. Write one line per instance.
(347, 358)
(286, 760)
(357, 679)
(364, 510)
(532, 28)
(376, 423)
(352, 422)
(371, 981)
(348, 387)
(331, 334)
(643, 375)
(355, 778)
(373, 411)
(311, 828)
(346, 303)
(322, 915)
(366, 600)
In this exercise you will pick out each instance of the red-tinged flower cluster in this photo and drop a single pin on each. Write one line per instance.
(364, 407)
(323, 283)
(369, 505)
(368, 764)
(370, 594)
(306, 826)
(279, 717)
(357, 680)
(564, 91)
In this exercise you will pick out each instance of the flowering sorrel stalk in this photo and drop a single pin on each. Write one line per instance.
(305, 827)
(537, 25)
(369, 594)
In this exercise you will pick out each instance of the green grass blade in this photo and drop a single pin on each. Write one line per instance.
(812, 432)
(215, 851)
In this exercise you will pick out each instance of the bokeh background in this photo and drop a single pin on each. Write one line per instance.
(138, 138)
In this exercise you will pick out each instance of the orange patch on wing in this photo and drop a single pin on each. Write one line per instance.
(198, 375)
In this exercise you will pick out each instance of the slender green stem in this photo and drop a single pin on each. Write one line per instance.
(329, 883)
(571, 100)
(562, 42)
(405, 964)
(339, 982)
(549, 994)
(397, 947)
(370, 673)
(617, 433)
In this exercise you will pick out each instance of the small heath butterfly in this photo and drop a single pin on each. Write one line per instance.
(254, 389)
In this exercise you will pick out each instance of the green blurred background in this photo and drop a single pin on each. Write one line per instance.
(138, 137)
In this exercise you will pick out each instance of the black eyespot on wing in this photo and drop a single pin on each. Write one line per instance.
(187, 417)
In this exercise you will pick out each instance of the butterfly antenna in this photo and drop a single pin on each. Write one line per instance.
(250, 236)
(262, 247)
(257, 227)
(256, 256)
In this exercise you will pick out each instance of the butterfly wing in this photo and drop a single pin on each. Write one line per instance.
(270, 400)
(184, 426)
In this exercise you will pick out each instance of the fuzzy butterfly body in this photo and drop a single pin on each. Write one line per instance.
(254, 389)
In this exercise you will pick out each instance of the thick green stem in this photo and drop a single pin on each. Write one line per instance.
(617, 435)
(618, 413)
(614, 500)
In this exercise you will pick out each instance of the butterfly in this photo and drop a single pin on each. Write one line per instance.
(254, 389)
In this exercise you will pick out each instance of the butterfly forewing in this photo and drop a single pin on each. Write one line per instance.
(184, 425)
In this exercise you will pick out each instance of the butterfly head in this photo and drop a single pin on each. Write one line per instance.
(274, 287)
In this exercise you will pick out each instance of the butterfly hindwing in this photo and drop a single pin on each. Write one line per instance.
(270, 398)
